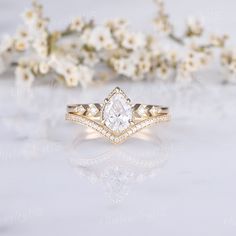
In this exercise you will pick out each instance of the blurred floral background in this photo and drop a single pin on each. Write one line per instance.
(85, 51)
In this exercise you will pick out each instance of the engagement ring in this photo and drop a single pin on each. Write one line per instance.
(117, 118)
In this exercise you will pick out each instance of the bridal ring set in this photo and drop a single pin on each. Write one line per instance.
(117, 118)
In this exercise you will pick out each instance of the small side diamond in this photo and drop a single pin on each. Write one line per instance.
(80, 110)
(154, 111)
(92, 110)
(142, 111)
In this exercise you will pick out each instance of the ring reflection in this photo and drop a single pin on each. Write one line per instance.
(118, 167)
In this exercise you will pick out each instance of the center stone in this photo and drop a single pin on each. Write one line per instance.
(117, 113)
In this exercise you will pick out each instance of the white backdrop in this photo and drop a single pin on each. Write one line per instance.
(180, 180)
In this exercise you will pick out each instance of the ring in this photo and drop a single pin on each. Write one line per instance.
(117, 118)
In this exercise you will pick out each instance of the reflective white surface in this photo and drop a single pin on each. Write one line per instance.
(57, 178)
(176, 178)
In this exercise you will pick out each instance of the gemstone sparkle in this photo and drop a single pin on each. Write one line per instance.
(117, 113)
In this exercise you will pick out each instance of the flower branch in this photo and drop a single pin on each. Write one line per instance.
(75, 53)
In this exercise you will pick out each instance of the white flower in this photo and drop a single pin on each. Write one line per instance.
(194, 27)
(163, 72)
(125, 67)
(136, 66)
(24, 77)
(143, 66)
(75, 75)
(117, 24)
(133, 41)
(232, 67)
(2, 65)
(21, 44)
(72, 73)
(5, 52)
(77, 24)
(85, 36)
(40, 26)
(29, 16)
(6, 44)
(22, 33)
(119, 34)
(218, 41)
(40, 45)
(43, 67)
(85, 75)
(89, 58)
(22, 39)
(101, 38)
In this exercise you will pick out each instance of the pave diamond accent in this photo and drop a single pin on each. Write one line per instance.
(123, 136)
(117, 113)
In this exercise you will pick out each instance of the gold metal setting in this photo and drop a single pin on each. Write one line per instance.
(93, 116)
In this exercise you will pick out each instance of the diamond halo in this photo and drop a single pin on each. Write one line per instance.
(117, 112)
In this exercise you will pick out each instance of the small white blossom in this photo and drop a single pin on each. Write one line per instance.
(133, 41)
(101, 38)
(77, 24)
(22, 33)
(194, 27)
(29, 16)
(43, 67)
(72, 73)
(125, 67)
(40, 26)
(228, 61)
(2, 65)
(89, 58)
(136, 66)
(163, 72)
(85, 75)
(40, 45)
(21, 44)
(218, 41)
(22, 39)
(85, 36)
(6, 44)
(116, 24)
(24, 77)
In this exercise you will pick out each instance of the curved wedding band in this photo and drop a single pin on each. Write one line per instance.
(117, 118)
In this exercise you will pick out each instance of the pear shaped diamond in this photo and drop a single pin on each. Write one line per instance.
(117, 113)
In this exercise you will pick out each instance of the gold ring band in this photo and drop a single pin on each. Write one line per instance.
(117, 118)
